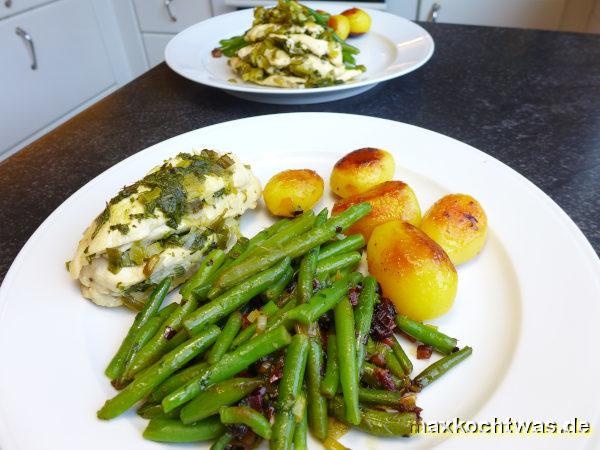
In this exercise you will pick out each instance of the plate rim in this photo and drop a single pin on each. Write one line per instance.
(258, 90)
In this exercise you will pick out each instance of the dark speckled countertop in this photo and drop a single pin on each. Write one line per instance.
(529, 98)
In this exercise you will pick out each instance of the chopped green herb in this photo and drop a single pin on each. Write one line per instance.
(121, 228)
(166, 189)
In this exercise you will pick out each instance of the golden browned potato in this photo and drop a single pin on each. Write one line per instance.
(393, 200)
(360, 170)
(360, 21)
(291, 192)
(340, 25)
(414, 272)
(458, 223)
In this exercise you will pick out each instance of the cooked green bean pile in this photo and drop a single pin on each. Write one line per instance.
(271, 340)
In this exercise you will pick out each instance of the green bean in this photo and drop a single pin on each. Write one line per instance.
(179, 338)
(379, 423)
(440, 367)
(237, 249)
(226, 393)
(231, 300)
(230, 364)
(321, 19)
(169, 430)
(222, 442)
(426, 334)
(283, 234)
(116, 367)
(324, 300)
(238, 253)
(151, 410)
(301, 429)
(209, 265)
(146, 382)
(155, 348)
(276, 289)
(401, 355)
(231, 46)
(363, 315)
(348, 59)
(380, 397)
(331, 265)
(201, 292)
(177, 380)
(317, 405)
(308, 265)
(294, 227)
(247, 416)
(281, 317)
(383, 351)
(133, 304)
(293, 248)
(143, 336)
(265, 234)
(287, 232)
(268, 310)
(349, 244)
(331, 380)
(231, 328)
(166, 311)
(392, 363)
(346, 346)
(370, 378)
(287, 298)
(289, 390)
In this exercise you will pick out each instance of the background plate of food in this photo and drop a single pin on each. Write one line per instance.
(292, 55)
(508, 281)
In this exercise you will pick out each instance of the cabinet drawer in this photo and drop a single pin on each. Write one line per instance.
(154, 16)
(72, 67)
(10, 7)
(155, 47)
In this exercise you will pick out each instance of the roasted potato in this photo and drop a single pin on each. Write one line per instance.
(414, 272)
(393, 200)
(360, 170)
(360, 21)
(458, 223)
(292, 192)
(340, 25)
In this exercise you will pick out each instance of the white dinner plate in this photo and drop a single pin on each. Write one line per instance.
(394, 47)
(528, 304)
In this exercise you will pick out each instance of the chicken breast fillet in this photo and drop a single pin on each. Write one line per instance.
(163, 225)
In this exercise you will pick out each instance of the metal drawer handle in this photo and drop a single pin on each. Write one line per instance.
(29, 42)
(433, 12)
(170, 11)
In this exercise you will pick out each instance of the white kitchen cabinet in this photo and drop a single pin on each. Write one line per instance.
(10, 7)
(155, 47)
(543, 14)
(72, 67)
(170, 16)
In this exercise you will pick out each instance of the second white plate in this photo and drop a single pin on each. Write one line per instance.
(394, 47)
